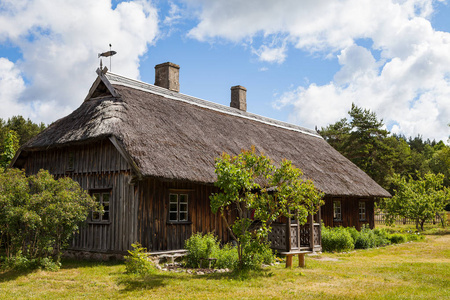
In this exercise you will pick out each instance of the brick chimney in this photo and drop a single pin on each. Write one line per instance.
(239, 97)
(167, 76)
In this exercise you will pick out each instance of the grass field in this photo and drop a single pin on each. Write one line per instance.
(418, 270)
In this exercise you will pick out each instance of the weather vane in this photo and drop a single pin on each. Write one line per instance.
(106, 54)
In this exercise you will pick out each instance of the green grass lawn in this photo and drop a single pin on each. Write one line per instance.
(418, 270)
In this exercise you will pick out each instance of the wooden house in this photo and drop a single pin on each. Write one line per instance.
(146, 153)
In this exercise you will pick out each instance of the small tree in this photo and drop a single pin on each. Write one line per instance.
(39, 214)
(419, 199)
(252, 184)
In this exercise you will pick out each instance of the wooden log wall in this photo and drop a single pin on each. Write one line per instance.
(156, 233)
(349, 212)
(96, 166)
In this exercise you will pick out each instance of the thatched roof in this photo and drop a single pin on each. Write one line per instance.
(174, 136)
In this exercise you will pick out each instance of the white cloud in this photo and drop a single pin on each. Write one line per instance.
(60, 40)
(271, 55)
(407, 83)
(11, 86)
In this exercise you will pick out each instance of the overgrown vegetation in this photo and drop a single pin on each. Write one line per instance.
(339, 239)
(204, 246)
(251, 184)
(38, 215)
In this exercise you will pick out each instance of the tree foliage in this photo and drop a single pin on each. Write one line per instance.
(10, 146)
(419, 199)
(363, 140)
(39, 214)
(13, 134)
(360, 139)
(252, 184)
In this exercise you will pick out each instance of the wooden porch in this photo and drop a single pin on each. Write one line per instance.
(290, 238)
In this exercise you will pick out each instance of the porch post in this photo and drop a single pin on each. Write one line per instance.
(288, 234)
(311, 228)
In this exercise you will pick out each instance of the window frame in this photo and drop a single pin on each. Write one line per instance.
(365, 210)
(70, 161)
(101, 219)
(178, 207)
(337, 216)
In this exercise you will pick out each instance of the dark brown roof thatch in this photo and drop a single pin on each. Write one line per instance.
(175, 136)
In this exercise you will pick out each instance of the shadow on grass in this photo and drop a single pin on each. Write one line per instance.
(150, 281)
(14, 274)
(75, 263)
(163, 279)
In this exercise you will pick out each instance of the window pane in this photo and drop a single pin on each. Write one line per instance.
(183, 216)
(96, 197)
(173, 198)
(95, 216)
(173, 207)
(183, 207)
(173, 216)
(183, 198)
(105, 198)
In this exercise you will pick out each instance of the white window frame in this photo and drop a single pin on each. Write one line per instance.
(178, 207)
(362, 211)
(103, 199)
(337, 210)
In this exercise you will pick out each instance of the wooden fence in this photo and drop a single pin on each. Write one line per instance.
(379, 219)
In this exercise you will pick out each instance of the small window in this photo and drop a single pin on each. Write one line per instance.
(70, 161)
(103, 201)
(178, 207)
(337, 211)
(362, 211)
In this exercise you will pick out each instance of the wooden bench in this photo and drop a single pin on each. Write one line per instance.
(170, 255)
(301, 258)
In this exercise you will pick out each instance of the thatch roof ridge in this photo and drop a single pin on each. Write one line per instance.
(116, 79)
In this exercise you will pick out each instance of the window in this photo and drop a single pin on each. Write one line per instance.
(103, 201)
(362, 211)
(337, 211)
(70, 161)
(178, 207)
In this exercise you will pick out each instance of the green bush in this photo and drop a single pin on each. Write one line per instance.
(138, 262)
(227, 257)
(261, 253)
(336, 239)
(397, 238)
(20, 262)
(39, 214)
(381, 237)
(415, 237)
(366, 239)
(200, 246)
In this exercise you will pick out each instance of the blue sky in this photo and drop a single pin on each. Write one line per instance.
(302, 61)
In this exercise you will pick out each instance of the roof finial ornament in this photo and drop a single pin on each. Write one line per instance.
(106, 54)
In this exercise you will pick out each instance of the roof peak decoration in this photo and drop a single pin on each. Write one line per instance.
(101, 86)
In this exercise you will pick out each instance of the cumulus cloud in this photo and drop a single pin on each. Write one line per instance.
(407, 83)
(59, 42)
